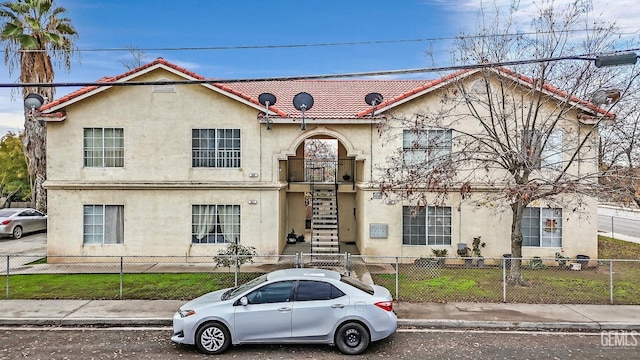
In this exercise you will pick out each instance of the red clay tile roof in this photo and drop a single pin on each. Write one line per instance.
(333, 99)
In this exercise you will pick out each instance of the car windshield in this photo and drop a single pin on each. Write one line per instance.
(357, 284)
(6, 213)
(244, 287)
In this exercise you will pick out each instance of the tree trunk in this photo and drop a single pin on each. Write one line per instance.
(36, 67)
(34, 141)
(515, 274)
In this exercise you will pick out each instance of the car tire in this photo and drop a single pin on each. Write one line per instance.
(213, 338)
(352, 338)
(17, 232)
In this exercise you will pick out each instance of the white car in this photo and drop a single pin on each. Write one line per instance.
(19, 221)
(311, 306)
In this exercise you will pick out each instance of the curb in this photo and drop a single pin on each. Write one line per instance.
(516, 325)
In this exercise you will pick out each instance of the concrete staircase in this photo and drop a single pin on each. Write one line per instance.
(324, 220)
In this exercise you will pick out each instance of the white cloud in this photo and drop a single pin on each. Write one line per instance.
(11, 113)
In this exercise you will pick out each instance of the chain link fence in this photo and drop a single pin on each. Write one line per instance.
(543, 280)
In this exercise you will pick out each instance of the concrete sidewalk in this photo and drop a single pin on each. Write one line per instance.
(436, 315)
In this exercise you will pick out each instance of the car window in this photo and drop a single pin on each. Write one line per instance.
(246, 286)
(7, 213)
(357, 284)
(316, 290)
(271, 293)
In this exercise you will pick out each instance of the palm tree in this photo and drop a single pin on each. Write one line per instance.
(34, 32)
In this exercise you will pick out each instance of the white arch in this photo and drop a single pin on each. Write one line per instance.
(322, 130)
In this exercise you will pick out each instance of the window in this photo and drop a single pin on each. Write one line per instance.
(538, 156)
(426, 226)
(542, 227)
(425, 146)
(103, 224)
(215, 224)
(271, 293)
(551, 157)
(215, 148)
(103, 147)
(316, 290)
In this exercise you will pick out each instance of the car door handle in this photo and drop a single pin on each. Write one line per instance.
(284, 309)
(337, 306)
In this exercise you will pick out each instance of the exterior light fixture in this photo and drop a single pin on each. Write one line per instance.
(615, 60)
(32, 103)
(253, 202)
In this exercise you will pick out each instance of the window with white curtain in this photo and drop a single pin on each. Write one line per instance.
(215, 148)
(542, 227)
(103, 147)
(215, 224)
(103, 224)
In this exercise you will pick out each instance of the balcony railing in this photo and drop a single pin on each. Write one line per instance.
(321, 171)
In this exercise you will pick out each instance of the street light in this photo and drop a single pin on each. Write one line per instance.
(616, 60)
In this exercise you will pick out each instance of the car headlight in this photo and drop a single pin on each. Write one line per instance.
(185, 313)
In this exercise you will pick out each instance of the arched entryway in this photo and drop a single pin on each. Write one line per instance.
(321, 194)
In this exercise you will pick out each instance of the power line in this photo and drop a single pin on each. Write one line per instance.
(331, 44)
(586, 57)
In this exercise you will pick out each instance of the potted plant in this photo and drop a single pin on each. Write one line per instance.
(440, 255)
(562, 260)
(478, 244)
(292, 237)
(465, 252)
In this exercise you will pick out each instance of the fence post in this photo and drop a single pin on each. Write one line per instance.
(397, 276)
(612, 231)
(504, 281)
(236, 273)
(7, 277)
(347, 263)
(121, 275)
(611, 281)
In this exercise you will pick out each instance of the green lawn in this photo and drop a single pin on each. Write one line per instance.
(548, 285)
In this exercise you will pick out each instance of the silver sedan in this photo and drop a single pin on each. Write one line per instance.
(289, 306)
(18, 221)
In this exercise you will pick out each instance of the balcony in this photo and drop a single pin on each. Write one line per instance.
(321, 171)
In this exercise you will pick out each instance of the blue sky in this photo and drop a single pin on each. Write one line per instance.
(151, 24)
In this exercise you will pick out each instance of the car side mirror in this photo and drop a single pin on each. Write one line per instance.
(244, 301)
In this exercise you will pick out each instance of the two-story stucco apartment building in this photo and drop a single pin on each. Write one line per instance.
(175, 169)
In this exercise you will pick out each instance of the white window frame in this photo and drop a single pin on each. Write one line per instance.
(215, 224)
(216, 148)
(103, 224)
(549, 156)
(426, 146)
(542, 227)
(427, 226)
(103, 147)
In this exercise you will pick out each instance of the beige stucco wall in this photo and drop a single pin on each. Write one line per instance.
(158, 186)
(158, 222)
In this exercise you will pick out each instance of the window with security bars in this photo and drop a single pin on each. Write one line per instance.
(426, 225)
(215, 148)
(426, 147)
(103, 224)
(542, 227)
(103, 147)
(215, 224)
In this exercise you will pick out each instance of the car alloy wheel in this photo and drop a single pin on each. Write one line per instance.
(213, 338)
(17, 232)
